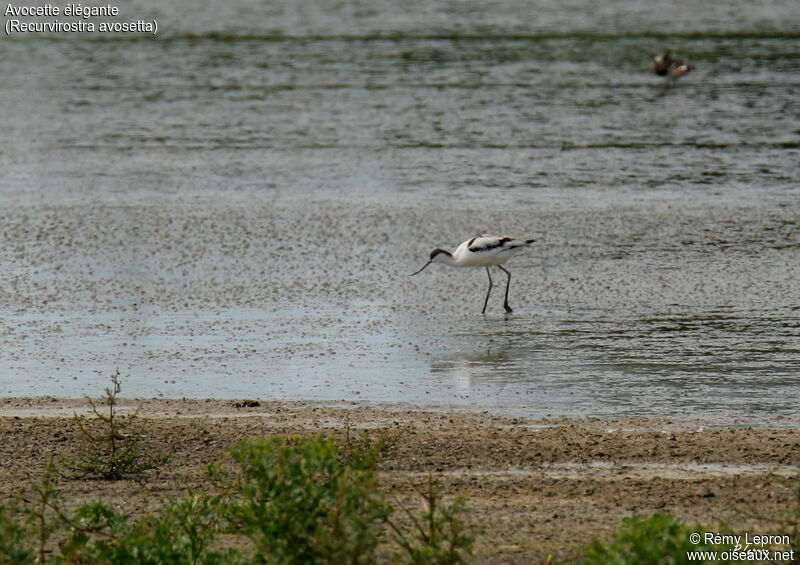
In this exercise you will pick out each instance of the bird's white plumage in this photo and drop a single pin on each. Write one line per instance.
(484, 250)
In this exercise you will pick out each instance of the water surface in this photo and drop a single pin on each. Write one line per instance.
(231, 209)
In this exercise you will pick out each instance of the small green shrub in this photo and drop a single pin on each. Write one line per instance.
(659, 539)
(43, 514)
(786, 519)
(15, 546)
(112, 445)
(178, 535)
(440, 536)
(300, 504)
(297, 501)
(360, 451)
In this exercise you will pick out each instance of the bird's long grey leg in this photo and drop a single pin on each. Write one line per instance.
(508, 284)
(485, 302)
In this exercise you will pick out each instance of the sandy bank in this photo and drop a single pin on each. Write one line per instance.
(535, 486)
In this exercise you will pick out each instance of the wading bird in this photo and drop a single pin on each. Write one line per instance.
(666, 66)
(482, 251)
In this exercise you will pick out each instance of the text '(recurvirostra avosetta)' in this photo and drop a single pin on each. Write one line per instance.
(83, 24)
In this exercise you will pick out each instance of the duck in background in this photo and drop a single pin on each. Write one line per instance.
(667, 66)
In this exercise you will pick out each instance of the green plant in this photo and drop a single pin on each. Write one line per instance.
(28, 524)
(14, 545)
(787, 519)
(180, 534)
(660, 538)
(283, 501)
(440, 536)
(112, 446)
(43, 512)
(299, 503)
(360, 450)
(94, 531)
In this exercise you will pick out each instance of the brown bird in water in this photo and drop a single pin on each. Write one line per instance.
(668, 66)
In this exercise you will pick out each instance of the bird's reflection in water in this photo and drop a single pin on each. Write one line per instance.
(490, 364)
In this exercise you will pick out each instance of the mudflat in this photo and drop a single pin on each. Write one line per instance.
(534, 487)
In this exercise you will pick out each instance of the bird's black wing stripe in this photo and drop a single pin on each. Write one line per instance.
(489, 246)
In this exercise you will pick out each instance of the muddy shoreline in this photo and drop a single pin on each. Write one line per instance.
(535, 487)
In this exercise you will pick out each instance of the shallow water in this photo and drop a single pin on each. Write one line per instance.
(231, 209)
